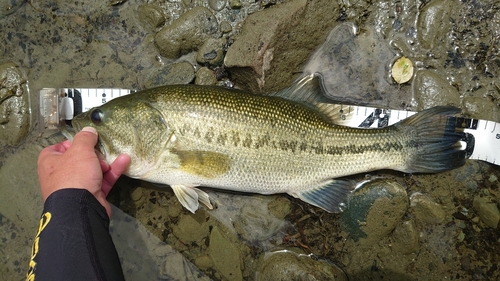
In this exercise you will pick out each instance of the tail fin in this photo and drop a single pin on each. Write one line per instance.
(436, 137)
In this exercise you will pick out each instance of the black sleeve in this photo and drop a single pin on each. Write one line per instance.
(73, 240)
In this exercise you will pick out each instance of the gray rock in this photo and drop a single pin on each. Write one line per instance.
(487, 211)
(431, 90)
(187, 33)
(176, 73)
(211, 52)
(425, 209)
(274, 43)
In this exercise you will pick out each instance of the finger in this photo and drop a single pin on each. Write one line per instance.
(85, 139)
(116, 169)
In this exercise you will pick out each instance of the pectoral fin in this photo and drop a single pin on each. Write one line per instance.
(327, 196)
(203, 163)
(189, 197)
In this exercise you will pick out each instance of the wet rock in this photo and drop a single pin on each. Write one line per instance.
(151, 16)
(354, 66)
(295, 264)
(425, 209)
(374, 210)
(431, 90)
(487, 211)
(216, 5)
(225, 255)
(205, 76)
(176, 73)
(211, 52)
(434, 23)
(187, 33)
(480, 108)
(15, 116)
(191, 227)
(405, 237)
(274, 43)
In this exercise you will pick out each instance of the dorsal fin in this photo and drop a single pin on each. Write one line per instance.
(307, 90)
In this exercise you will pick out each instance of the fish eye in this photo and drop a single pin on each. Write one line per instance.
(96, 116)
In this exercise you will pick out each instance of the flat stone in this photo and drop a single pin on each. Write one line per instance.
(425, 209)
(487, 211)
(191, 227)
(176, 73)
(225, 255)
(187, 33)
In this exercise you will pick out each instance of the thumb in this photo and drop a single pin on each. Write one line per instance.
(86, 138)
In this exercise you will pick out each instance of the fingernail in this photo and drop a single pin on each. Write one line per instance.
(89, 129)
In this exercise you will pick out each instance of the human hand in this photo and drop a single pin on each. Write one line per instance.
(76, 165)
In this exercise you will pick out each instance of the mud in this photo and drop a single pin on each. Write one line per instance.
(450, 232)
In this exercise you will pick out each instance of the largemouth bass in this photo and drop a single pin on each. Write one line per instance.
(188, 136)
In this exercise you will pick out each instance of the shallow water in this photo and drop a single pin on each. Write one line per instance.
(443, 227)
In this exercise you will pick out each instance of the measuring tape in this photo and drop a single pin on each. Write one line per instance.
(481, 137)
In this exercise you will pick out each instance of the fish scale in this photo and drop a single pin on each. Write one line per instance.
(188, 136)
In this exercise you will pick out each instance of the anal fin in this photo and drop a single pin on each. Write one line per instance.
(190, 196)
(328, 196)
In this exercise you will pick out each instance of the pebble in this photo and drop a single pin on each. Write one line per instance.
(217, 5)
(205, 76)
(187, 33)
(136, 194)
(225, 27)
(479, 107)
(176, 73)
(235, 4)
(487, 211)
(425, 209)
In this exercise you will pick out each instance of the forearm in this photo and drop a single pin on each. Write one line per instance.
(73, 241)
